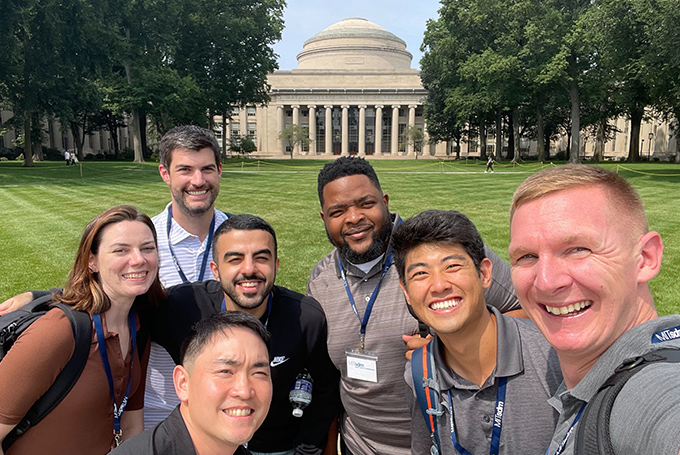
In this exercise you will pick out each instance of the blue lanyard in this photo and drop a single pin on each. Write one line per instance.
(499, 410)
(201, 273)
(269, 307)
(560, 448)
(101, 341)
(371, 301)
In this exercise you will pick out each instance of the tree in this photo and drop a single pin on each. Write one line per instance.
(294, 135)
(248, 146)
(412, 136)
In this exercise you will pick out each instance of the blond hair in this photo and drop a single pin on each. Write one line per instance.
(621, 195)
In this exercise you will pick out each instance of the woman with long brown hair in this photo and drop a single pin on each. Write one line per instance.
(116, 262)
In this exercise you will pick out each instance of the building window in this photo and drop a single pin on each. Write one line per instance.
(250, 111)
(386, 145)
(402, 112)
(419, 111)
(234, 111)
(402, 146)
(305, 112)
(235, 128)
(252, 130)
(289, 112)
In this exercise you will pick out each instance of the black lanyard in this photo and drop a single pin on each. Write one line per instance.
(269, 307)
(201, 273)
(497, 421)
(369, 307)
(101, 341)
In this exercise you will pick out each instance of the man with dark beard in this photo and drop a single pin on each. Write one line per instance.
(358, 288)
(245, 263)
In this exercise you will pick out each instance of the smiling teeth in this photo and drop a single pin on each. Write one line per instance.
(568, 310)
(444, 305)
(197, 193)
(135, 275)
(249, 284)
(238, 412)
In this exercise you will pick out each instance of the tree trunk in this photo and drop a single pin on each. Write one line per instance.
(575, 123)
(515, 133)
(482, 139)
(142, 135)
(458, 148)
(540, 140)
(224, 134)
(75, 131)
(511, 137)
(634, 148)
(28, 148)
(499, 136)
(136, 136)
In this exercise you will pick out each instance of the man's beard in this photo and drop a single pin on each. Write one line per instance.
(379, 243)
(196, 210)
(247, 301)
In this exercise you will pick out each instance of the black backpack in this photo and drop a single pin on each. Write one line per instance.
(13, 324)
(593, 435)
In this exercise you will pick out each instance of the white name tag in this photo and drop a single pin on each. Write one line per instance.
(362, 366)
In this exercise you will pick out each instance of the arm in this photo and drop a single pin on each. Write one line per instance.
(132, 423)
(414, 342)
(501, 293)
(4, 431)
(20, 300)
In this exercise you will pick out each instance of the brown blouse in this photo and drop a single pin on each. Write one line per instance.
(83, 422)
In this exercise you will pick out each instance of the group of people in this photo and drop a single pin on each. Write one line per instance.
(70, 157)
(205, 361)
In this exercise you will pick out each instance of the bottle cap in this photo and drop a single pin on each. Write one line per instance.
(297, 412)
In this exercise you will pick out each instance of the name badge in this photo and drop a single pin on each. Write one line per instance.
(362, 366)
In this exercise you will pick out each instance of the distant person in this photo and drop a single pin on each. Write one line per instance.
(489, 164)
(582, 257)
(224, 386)
(74, 158)
(67, 157)
(357, 285)
(117, 261)
(484, 360)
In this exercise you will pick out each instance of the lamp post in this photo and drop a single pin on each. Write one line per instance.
(649, 146)
(642, 146)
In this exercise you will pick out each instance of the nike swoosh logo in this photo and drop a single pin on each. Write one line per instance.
(278, 361)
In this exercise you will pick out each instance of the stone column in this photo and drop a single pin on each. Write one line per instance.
(345, 130)
(280, 113)
(312, 129)
(296, 121)
(243, 120)
(329, 129)
(378, 129)
(362, 130)
(410, 149)
(395, 129)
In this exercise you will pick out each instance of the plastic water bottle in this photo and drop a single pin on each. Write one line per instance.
(301, 393)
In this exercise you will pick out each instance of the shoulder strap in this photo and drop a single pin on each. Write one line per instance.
(427, 390)
(593, 436)
(82, 334)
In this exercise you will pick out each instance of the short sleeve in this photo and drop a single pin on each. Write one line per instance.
(33, 363)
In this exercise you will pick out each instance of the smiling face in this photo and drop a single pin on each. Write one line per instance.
(226, 391)
(580, 269)
(127, 260)
(356, 217)
(194, 180)
(246, 266)
(443, 286)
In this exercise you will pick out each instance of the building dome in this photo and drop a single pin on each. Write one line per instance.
(355, 44)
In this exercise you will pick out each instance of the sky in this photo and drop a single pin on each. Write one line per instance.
(305, 18)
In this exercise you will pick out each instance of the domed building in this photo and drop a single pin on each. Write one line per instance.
(354, 92)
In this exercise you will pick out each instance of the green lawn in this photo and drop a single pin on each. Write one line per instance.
(43, 210)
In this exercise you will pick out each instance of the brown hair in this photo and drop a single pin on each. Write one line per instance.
(190, 137)
(621, 195)
(83, 291)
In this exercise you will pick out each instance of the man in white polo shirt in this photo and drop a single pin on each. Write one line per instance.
(190, 166)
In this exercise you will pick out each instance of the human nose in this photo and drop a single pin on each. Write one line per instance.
(197, 178)
(552, 275)
(354, 215)
(439, 283)
(136, 257)
(241, 386)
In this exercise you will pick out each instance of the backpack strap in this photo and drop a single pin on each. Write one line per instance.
(593, 435)
(82, 334)
(427, 391)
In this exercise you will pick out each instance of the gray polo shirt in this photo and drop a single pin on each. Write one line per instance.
(377, 419)
(645, 418)
(533, 372)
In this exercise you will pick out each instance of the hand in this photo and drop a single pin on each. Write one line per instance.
(16, 302)
(414, 342)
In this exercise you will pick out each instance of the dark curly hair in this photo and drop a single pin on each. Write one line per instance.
(344, 167)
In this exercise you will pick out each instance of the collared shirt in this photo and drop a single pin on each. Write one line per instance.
(645, 418)
(170, 437)
(533, 371)
(160, 398)
(377, 418)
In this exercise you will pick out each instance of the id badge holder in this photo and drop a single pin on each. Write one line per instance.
(362, 365)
